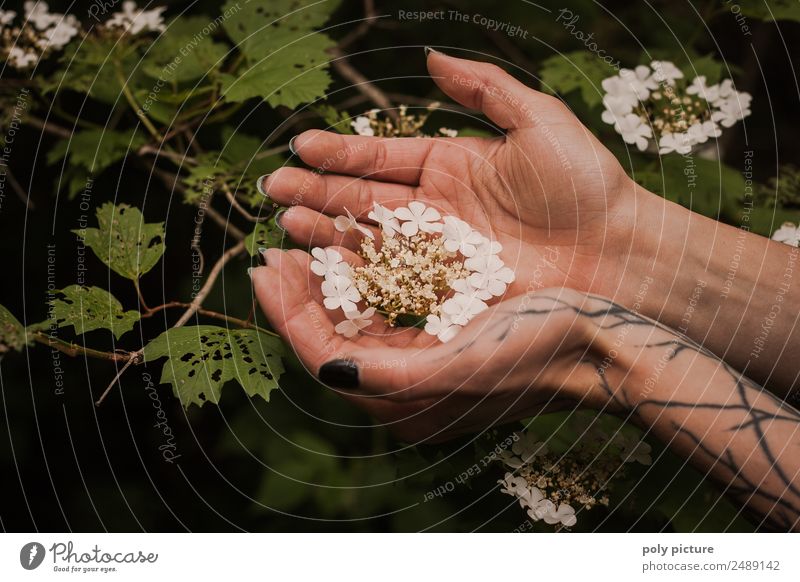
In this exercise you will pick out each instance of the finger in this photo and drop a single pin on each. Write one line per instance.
(282, 290)
(331, 194)
(488, 88)
(387, 159)
(309, 228)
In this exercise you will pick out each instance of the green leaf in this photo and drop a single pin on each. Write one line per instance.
(91, 308)
(96, 149)
(579, 70)
(265, 235)
(765, 221)
(184, 52)
(286, 60)
(12, 332)
(339, 121)
(707, 187)
(124, 241)
(772, 9)
(202, 358)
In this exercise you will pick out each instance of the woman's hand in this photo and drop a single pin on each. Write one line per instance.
(514, 360)
(554, 196)
(566, 214)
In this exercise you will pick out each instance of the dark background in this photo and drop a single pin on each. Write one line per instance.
(68, 465)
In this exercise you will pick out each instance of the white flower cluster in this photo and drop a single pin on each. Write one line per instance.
(374, 123)
(549, 486)
(788, 234)
(134, 20)
(41, 33)
(655, 103)
(428, 266)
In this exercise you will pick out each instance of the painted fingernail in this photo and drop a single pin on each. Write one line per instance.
(429, 50)
(250, 272)
(291, 145)
(339, 374)
(262, 256)
(260, 184)
(279, 216)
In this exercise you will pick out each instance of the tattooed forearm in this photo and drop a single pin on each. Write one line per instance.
(728, 425)
(724, 423)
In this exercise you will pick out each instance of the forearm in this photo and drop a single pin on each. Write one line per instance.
(724, 423)
(726, 288)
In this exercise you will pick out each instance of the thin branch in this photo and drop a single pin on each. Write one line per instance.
(75, 350)
(239, 208)
(363, 27)
(19, 190)
(133, 360)
(48, 126)
(176, 157)
(362, 84)
(197, 302)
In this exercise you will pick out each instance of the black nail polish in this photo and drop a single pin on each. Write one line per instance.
(291, 146)
(262, 258)
(339, 374)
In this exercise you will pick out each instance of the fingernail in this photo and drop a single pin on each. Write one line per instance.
(429, 50)
(260, 184)
(339, 374)
(262, 257)
(278, 216)
(291, 145)
(250, 272)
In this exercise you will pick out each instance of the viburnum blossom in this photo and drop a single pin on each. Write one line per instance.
(39, 34)
(551, 486)
(425, 266)
(134, 20)
(788, 234)
(418, 218)
(655, 108)
(355, 322)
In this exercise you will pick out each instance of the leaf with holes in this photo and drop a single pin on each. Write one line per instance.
(12, 332)
(265, 235)
(124, 241)
(203, 358)
(91, 308)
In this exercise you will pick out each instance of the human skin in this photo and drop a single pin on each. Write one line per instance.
(567, 215)
(547, 350)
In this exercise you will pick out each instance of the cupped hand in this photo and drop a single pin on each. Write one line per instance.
(520, 357)
(548, 190)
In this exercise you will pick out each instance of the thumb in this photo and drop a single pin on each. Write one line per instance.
(487, 87)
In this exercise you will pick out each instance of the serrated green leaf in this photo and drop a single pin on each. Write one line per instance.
(126, 243)
(772, 9)
(579, 70)
(265, 235)
(286, 61)
(202, 358)
(12, 332)
(184, 52)
(91, 308)
(340, 121)
(96, 149)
